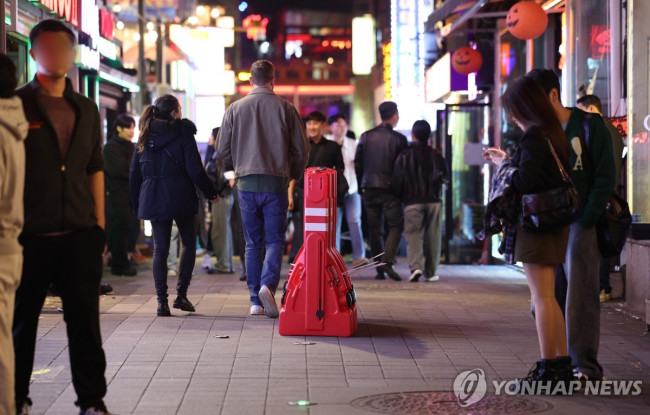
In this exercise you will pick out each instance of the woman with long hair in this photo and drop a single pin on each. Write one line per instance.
(165, 169)
(527, 105)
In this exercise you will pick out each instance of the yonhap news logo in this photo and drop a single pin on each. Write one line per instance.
(470, 387)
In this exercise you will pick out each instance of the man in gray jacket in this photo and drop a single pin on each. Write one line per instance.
(13, 130)
(263, 145)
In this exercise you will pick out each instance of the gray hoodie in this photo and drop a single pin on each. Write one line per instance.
(13, 130)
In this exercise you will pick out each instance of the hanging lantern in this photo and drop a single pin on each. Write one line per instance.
(466, 60)
(526, 20)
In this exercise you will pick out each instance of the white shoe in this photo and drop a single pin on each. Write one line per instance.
(267, 298)
(257, 310)
(206, 261)
(172, 273)
(433, 278)
(415, 275)
(200, 251)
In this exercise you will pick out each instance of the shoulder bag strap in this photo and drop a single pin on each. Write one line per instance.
(565, 175)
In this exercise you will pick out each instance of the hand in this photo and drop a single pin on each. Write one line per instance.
(290, 208)
(215, 200)
(231, 182)
(495, 155)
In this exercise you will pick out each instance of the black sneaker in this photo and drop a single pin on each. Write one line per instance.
(388, 269)
(184, 304)
(105, 289)
(127, 272)
(163, 309)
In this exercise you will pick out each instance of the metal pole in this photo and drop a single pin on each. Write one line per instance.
(159, 52)
(142, 66)
(3, 28)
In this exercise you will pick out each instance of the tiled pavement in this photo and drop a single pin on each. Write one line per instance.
(411, 337)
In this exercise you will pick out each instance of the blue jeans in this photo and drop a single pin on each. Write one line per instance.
(264, 219)
(352, 206)
(577, 292)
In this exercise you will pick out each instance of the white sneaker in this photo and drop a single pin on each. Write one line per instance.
(267, 298)
(206, 261)
(415, 275)
(200, 251)
(257, 310)
(604, 297)
(172, 273)
(433, 278)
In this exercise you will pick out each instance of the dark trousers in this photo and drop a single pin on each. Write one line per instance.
(382, 206)
(162, 231)
(73, 264)
(604, 275)
(121, 229)
(297, 218)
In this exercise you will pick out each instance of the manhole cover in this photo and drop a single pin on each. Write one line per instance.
(441, 403)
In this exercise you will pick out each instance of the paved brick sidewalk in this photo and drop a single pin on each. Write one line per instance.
(412, 337)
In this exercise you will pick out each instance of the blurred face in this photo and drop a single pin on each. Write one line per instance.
(339, 128)
(126, 133)
(314, 129)
(54, 54)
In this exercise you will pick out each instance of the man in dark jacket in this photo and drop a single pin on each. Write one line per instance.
(592, 172)
(418, 177)
(118, 152)
(63, 236)
(323, 153)
(374, 162)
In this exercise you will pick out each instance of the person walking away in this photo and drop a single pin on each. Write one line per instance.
(63, 236)
(527, 105)
(592, 171)
(418, 176)
(374, 162)
(221, 231)
(263, 145)
(352, 200)
(165, 169)
(323, 153)
(118, 153)
(592, 104)
(13, 130)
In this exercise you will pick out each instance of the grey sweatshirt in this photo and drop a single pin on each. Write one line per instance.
(13, 130)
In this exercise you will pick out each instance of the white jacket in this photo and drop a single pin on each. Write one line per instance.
(13, 130)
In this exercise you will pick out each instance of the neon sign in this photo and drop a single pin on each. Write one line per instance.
(255, 26)
(106, 24)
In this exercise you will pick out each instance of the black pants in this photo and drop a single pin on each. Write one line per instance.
(162, 231)
(382, 206)
(297, 217)
(121, 229)
(73, 264)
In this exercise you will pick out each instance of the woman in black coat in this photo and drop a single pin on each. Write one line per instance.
(526, 103)
(165, 169)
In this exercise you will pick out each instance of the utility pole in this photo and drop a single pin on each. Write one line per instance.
(142, 64)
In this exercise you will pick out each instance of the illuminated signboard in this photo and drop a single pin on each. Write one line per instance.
(106, 24)
(68, 9)
(363, 45)
(107, 49)
(255, 26)
(385, 49)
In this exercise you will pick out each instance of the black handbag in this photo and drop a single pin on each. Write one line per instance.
(552, 209)
(613, 226)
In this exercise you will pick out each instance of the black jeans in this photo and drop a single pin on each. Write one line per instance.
(161, 235)
(73, 264)
(379, 206)
(121, 229)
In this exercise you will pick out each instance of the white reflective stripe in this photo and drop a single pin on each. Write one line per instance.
(315, 211)
(321, 227)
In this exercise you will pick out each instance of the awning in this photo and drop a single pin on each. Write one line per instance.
(131, 55)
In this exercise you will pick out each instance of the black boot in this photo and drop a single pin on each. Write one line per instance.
(184, 304)
(163, 309)
(563, 370)
(542, 371)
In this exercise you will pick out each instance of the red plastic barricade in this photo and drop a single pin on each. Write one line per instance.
(318, 298)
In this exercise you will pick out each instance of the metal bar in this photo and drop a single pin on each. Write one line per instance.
(142, 65)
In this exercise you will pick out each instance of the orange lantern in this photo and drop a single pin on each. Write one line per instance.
(466, 60)
(526, 20)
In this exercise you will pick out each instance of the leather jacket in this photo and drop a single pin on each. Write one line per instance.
(375, 157)
(419, 174)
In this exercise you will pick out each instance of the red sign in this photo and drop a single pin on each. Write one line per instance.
(106, 24)
(68, 9)
(255, 26)
(600, 41)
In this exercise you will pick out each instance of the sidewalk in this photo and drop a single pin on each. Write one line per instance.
(412, 337)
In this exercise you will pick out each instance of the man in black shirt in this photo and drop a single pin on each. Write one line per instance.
(374, 162)
(322, 153)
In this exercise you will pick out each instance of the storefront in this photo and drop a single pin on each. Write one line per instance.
(20, 17)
